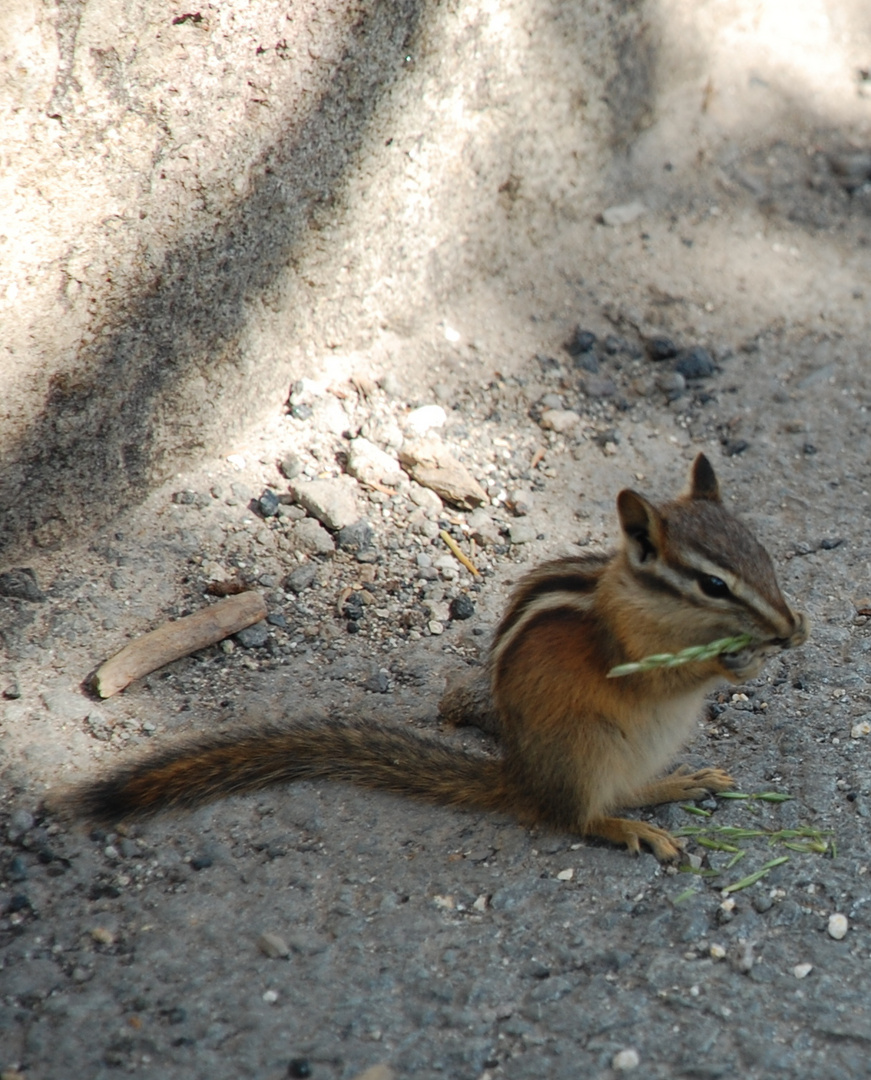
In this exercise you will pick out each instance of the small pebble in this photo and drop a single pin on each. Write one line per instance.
(462, 607)
(559, 420)
(273, 946)
(741, 957)
(355, 537)
(661, 348)
(733, 447)
(626, 1060)
(599, 386)
(299, 1069)
(837, 926)
(521, 533)
(268, 504)
(20, 822)
(378, 683)
(581, 341)
(421, 420)
(801, 971)
(672, 384)
(301, 578)
(291, 466)
(270, 996)
(435, 627)
(565, 875)
(21, 584)
(588, 361)
(695, 363)
(623, 214)
(254, 637)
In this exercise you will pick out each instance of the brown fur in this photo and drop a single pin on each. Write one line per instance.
(575, 744)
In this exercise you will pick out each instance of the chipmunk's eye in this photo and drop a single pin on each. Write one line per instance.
(714, 586)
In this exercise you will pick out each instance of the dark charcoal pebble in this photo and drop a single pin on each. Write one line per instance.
(353, 607)
(201, 862)
(254, 637)
(661, 348)
(356, 537)
(581, 341)
(695, 363)
(735, 446)
(462, 607)
(809, 448)
(353, 627)
(277, 619)
(21, 584)
(830, 543)
(299, 1069)
(268, 503)
(301, 578)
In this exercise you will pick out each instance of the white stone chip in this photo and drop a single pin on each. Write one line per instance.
(625, 1060)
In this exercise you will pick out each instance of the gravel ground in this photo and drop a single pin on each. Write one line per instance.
(434, 941)
(321, 931)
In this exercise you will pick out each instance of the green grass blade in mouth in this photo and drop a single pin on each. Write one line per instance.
(693, 654)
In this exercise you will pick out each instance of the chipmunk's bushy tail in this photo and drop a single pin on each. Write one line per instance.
(372, 755)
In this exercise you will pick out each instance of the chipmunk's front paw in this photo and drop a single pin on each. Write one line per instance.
(698, 784)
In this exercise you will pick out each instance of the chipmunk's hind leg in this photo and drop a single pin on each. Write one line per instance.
(635, 833)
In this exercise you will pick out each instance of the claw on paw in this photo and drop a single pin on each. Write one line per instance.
(697, 784)
(635, 833)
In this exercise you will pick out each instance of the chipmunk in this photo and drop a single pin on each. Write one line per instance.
(575, 745)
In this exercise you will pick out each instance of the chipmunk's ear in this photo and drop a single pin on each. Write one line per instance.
(642, 527)
(703, 480)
